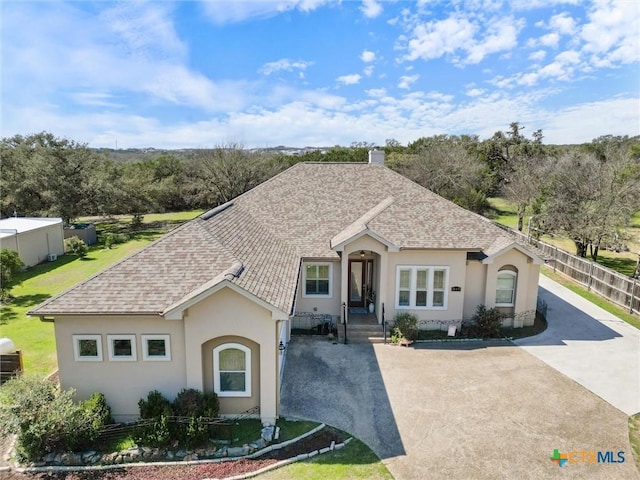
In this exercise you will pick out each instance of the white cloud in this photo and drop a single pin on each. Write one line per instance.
(376, 92)
(538, 55)
(611, 35)
(352, 79)
(563, 24)
(475, 92)
(549, 40)
(368, 70)
(367, 56)
(456, 36)
(503, 37)
(437, 38)
(407, 80)
(371, 8)
(232, 11)
(284, 64)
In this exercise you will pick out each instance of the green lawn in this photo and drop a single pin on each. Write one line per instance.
(634, 437)
(35, 338)
(356, 460)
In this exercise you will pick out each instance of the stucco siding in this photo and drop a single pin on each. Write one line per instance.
(123, 383)
(526, 283)
(329, 305)
(474, 294)
(231, 405)
(228, 313)
(456, 263)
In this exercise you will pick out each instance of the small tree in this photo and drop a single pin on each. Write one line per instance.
(10, 266)
(77, 247)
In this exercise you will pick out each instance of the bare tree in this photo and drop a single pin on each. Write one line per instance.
(593, 196)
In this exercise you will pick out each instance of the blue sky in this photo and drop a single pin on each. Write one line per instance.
(318, 72)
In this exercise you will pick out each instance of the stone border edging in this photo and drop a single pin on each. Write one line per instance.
(288, 461)
(88, 468)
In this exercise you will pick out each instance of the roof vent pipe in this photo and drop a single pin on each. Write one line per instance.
(376, 156)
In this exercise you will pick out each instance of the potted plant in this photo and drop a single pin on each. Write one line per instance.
(371, 300)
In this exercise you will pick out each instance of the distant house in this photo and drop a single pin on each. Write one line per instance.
(84, 231)
(210, 305)
(35, 239)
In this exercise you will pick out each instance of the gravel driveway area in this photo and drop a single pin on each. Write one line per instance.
(473, 410)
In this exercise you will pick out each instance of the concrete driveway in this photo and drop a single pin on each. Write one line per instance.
(589, 345)
(465, 410)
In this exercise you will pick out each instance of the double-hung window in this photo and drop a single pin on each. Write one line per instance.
(317, 280)
(421, 287)
(506, 288)
(232, 370)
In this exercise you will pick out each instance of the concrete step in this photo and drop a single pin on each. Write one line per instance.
(362, 333)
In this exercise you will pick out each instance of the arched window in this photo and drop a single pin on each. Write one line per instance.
(232, 370)
(506, 288)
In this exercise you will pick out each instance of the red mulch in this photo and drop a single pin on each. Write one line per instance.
(317, 441)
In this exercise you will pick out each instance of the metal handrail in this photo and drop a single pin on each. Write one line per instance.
(384, 326)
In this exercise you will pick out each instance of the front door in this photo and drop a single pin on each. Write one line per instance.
(356, 283)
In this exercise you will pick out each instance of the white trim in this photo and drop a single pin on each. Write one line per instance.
(535, 259)
(122, 358)
(216, 371)
(430, 289)
(513, 274)
(304, 280)
(76, 348)
(339, 247)
(156, 358)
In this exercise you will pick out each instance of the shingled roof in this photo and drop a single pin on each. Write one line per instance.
(258, 240)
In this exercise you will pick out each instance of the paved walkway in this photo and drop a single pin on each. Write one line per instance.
(590, 346)
(481, 410)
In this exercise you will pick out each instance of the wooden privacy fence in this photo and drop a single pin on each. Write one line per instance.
(618, 288)
(10, 366)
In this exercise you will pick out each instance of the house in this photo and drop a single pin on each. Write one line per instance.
(210, 305)
(35, 239)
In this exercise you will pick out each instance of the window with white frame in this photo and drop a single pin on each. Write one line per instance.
(156, 348)
(317, 279)
(506, 288)
(421, 287)
(87, 348)
(122, 348)
(232, 370)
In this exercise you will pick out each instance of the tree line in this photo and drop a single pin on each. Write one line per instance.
(588, 192)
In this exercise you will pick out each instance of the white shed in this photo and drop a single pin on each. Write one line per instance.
(35, 239)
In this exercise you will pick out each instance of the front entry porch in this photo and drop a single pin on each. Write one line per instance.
(362, 328)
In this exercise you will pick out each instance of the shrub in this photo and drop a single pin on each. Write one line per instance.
(97, 410)
(155, 406)
(111, 239)
(157, 434)
(77, 247)
(487, 322)
(194, 433)
(407, 324)
(46, 419)
(193, 403)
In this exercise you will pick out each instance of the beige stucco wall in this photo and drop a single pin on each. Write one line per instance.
(123, 383)
(455, 260)
(34, 246)
(230, 405)
(527, 281)
(474, 293)
(228, 313)
(330, 305)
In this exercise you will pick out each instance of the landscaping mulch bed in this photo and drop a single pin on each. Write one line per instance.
(319, 440)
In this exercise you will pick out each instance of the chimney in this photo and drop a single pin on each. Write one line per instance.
(376, 156)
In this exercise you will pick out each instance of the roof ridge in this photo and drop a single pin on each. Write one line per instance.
(162, 238)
